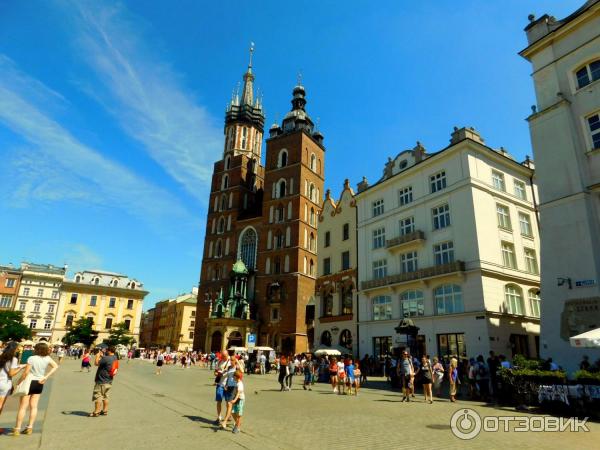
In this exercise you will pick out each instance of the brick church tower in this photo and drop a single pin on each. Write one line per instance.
(259, 265)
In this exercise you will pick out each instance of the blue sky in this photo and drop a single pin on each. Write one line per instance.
(111, 114)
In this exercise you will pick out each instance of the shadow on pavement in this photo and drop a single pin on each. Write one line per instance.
(386, 400)
(438, 427)
(200, 419)
(76, 413)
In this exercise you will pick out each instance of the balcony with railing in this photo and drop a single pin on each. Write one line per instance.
(428, 272)
(410, 238)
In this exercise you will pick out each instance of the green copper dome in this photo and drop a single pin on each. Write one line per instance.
(240, 267)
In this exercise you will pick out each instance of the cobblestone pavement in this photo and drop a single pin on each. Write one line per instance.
(175, 410)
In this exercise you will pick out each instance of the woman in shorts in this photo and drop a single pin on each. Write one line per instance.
(36, 367)
(333, 374)
(85, 360)
(9, 367)
(357, 376)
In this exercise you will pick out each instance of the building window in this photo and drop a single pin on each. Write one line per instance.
(346, 339)
(192, 323)
(407, 226)
(448, 299)
(514, 300)
(193, 313)
(437, 182)
(244, 137)
(379, 238)
(327, 239)
(412, 303)
(347, 295)
(313, 163)
(5, 301)
(283, 157)
(382, 346)
(108, 323)
(311, 268)
(127, 323)
(525, 225)
(281, 188)
(534, 303)
(54, 295)
(26, 291)
(311, 243)
(503, 214)
(69, 321)
(228, 162)
(379, 269)
(47, 324)
(382, 307)
(346, 260)
(73, 299)
(587, 74)
(326, 338)
(326, 266)
(406, 196)
(40, 293)
(248, 248)
(9, 283)
(191, 335)
(36, 307)
(441, 217)
(111, 302)
(346, 232)
(33, 323)
(130, 304)
(450, 345)
(22, 306)
(274, 314)
(51, 308)
(93, 300)
(498, 180)
(78, 279)
(312, 217)
(280, 214)
(328, 305)
(443, 253)
(508, 255)
(520, 190)
(594, 124)
(531, 264)
(408, 262)
(378, 208)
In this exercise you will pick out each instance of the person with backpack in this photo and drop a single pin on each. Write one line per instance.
(482, 377)
(108, 365)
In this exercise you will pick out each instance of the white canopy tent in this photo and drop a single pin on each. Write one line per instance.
(589, 339)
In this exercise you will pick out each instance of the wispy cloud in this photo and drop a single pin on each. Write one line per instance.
(57, 166)
(146, 96)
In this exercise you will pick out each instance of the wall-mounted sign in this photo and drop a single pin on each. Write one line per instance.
(585, 283)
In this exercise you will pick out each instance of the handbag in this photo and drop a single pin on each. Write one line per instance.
(23, 387)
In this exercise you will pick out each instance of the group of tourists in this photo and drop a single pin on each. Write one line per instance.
(229, 388)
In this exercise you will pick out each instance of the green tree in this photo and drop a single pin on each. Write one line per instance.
(119, 334)
(12, 328)
(83, 331)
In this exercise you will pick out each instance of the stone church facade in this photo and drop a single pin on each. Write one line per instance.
(262, 219)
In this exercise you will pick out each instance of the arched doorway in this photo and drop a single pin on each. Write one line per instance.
(216, 341)
(235, 340)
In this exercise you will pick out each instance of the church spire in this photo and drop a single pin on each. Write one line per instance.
(248, 92)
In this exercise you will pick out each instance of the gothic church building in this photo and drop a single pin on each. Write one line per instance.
(260, 250)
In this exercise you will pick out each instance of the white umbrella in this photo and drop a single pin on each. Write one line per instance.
(27, 342)
(589, 339)
(263, 349)
(237, 349)
(79, 344)
(57, 344)
(327, 351)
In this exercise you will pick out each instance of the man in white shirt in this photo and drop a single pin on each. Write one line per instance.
(263, 363)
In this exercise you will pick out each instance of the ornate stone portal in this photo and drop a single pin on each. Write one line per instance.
(228, 321)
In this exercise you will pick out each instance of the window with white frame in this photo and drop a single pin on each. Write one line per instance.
(448, 299)
(520, 190)
(54, 295)
(412, 303)
(514, 299)
(47, 324)
(51, 307)
(379, 238)
(508, 255)
(531, 264)
(437, 181)
(443, 253)
(405, 196)
(33, 323)
(594, 125)
(40, 293)
(441, 216)
(5, 301)
(244, 137)
(503, 214)
(525, 224)
(407, 226)
(534, 303)
(36, 307)
(408, 262)
(498, 180)
(9, 283)
(379, 269)
(378, 208)
(588, 73)
(26, 291)
(382, 307)
(22, 306)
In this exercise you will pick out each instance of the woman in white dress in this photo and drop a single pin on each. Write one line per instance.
(9, 367)
(36, 366)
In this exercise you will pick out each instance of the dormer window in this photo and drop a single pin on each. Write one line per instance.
(132, 286)
(78, 279)
(114, 283)
(96, 281)
(588, 74)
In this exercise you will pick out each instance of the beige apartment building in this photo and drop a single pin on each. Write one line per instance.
(174, 321)
(336, 290)
(39, 297)
(108, 298)
(565, 134)
(450, 240)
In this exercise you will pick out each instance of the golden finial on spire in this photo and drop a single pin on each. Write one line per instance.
(251, 52)
(299, 78)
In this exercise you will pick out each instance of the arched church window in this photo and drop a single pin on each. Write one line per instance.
(281, 189)
(283, 158)
(248, 248)
(313, 162)
(244, 137)
(227, 162)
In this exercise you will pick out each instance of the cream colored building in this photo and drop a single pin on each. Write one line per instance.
(38, 298)
(450, 240)
(176, 321)
(565, 133)
(108, 298)
(336, 293)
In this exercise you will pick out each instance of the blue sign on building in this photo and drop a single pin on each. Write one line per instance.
(251, 339)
